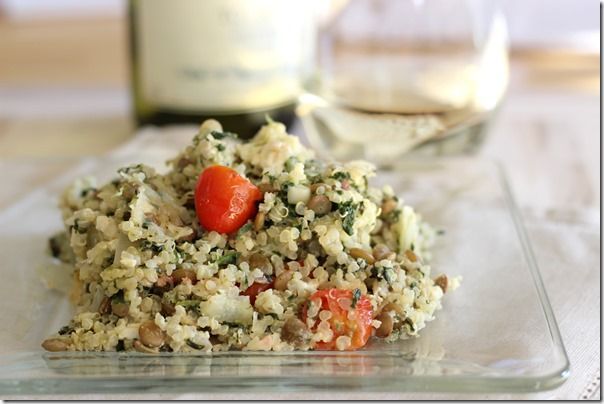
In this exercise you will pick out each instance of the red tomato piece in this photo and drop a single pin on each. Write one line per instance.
(354, 322)
(255, 289)
(224, 200)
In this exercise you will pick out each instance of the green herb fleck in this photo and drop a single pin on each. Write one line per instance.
(347, 211)
(389, 275)
(283, 191)
(221, 135)
(177, 257)
(65, 330)
(271, 178)
(189, 304)
(220, 147)
(227, 259)
(340, 175)
(149, 245)
(356, 295)
(285, 186)
(244, 229)
(291, 213)
(246, 283)
(410, 324)
(290, 162)
(129, 170)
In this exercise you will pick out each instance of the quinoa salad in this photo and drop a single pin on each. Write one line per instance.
(243, 245)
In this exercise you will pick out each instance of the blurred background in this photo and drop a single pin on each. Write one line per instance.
(70, 59)
(65, 83)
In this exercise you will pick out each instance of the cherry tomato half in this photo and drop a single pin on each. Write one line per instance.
(255, 289)
(354, 322)
(224, 200)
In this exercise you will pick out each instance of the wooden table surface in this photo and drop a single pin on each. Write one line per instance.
(64, 92)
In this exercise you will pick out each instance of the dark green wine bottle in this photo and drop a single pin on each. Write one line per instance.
(234, 61)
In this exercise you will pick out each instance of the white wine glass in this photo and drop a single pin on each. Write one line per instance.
(400, 76)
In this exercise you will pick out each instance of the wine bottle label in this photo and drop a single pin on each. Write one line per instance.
(222, 55)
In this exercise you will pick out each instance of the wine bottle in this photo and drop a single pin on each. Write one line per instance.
(232, 60)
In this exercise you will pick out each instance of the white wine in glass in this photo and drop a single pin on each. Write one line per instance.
(406, 76)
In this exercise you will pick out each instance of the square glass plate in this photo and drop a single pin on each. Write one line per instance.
(496, 333)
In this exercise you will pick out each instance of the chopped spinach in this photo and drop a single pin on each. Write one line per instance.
(347, 212)
(313, 169)
(228, 258)
(340, 175)
(290, 162)
(389, 275)
(65, 330)
(410, 324)
(347, 224)
(386, 274)
(244, 229)
(356, 295)
(129, 170)
(283, 191)
(189, 304)
(271, 178)
(149, 245)
(178, 256)
(313, 179)
(291, 213)
(221, 135)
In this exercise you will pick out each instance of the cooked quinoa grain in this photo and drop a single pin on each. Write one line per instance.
(149, 278)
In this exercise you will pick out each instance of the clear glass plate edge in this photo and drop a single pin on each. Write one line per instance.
(563, 373)
(415, 383)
